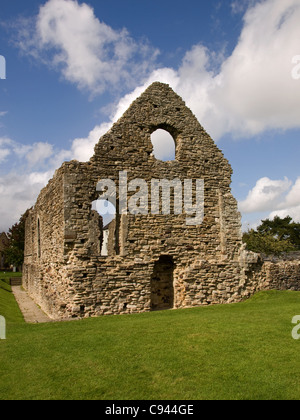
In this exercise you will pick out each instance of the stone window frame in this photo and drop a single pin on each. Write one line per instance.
(174, 133)
(113, 234)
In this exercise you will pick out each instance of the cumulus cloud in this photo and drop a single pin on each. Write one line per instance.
(274, 197)
(35, 154)
(4, 153)
(293, 197)
(291, 205)
(255, 83)
(244, 94)
(68, 36)
(293, 212)
(39, 152)
(250, 91)
(265, 196)
(82, 149)
(22, 180)
(5, 145)
(239, 6)
(18, 193)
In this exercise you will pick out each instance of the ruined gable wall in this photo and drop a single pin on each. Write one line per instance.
(73, 279)
(206, 256)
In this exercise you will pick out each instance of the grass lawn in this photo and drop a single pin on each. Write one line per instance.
(7, 274)
(8, 307)
(237, 351)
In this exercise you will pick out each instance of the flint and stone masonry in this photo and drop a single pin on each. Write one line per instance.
(151, 262)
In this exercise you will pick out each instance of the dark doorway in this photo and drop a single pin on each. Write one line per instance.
(162, 289)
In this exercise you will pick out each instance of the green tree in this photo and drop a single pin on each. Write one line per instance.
(282, 229)
(14, 254)
(274, 236)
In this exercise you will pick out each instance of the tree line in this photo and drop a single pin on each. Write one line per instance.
(14, 253)
(277, 236)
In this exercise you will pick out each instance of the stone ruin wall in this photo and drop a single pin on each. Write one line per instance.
(64, 270)
(44, 246)
(274, 272)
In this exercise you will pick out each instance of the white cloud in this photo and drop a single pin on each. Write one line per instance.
(293, 197)
(250, 91)
(246, 93)
(5, 148)
(291, 205)
(240, 6)
(88, 52)
(293, 212)
(83, 148)
(35, 154)
(274, 198)
(18, 193)
(265, 196)
(256, 87)
(5, 141)
(23, 179)
(38, 153)
(4, 153)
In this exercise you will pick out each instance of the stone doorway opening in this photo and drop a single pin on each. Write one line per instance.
(162, 287)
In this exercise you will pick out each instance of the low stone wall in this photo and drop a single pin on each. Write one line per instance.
(281, 274)
(263, 272)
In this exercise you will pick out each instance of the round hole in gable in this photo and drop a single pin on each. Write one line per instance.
(163, 145)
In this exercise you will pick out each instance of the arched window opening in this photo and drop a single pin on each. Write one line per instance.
(163, 145)
(109, 240)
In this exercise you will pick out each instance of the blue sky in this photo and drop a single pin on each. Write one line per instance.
(73, 68)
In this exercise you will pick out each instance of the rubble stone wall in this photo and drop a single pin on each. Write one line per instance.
(281, 273)
(64, 270)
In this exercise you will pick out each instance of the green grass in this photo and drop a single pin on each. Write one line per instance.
(6, 275)
(237, 351)
(8, 306)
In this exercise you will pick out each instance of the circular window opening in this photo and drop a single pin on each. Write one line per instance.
(163, 145)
